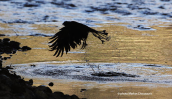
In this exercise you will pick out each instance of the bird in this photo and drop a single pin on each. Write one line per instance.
(72, 34)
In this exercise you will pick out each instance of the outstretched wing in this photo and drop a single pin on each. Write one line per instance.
(62, 40)
(72, 35)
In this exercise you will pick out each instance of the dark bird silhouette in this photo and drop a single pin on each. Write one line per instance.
(73, 34)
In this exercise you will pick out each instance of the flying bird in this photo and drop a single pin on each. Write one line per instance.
(73, 34)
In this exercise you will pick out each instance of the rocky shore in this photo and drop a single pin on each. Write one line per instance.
(13, 86)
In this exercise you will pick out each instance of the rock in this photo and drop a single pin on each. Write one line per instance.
(82, 90)
(44, 89)
(6, 40)
(12, 86)
(74, 97)
(14, 44)
(41, 94)
(25, 48)
(2, 34)
(31, 82)
(51, 84)
(60, 95)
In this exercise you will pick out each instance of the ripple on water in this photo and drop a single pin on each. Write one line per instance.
(128, 72)
(86, 11)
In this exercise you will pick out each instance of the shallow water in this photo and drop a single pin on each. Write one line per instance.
(82, 71)
(125, 52)
(141, 43)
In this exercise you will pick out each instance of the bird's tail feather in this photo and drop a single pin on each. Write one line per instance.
(102, 35)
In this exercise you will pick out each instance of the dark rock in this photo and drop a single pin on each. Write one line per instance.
(82, 90)
(5, 58)
(51, 84)
(9, 67)
(44, 89)
(6, 41)
(2, 34)
(14, 44)
(25, 48)
(0, 63)
(10, 47)
(30, 82)
(41, 94)
(74, 97)
(12, 86)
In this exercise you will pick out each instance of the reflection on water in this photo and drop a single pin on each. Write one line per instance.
(125, 46)
(139, 30)
(138, 14)
(132, 72)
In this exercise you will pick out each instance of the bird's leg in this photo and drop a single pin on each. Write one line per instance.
(84, 44)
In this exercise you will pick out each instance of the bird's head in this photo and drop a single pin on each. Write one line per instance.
(66, 23)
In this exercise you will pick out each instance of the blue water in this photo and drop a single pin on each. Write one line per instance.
(137, 14)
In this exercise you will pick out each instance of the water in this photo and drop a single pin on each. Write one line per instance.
(82, 71)
(140, 33)
(136, 14)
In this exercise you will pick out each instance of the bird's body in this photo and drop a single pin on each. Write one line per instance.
(73, 34)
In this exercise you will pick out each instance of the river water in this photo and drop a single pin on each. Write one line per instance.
(140, 44)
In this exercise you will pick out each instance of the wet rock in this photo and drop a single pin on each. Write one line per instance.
(5, 58)
(74, 97)
(12, 86)
(141, 27)
(0, 63)
(10, 47)
(82, 90)
(44, 89)
(25, 48)
(14, 44)
(30, 82)
(33, 65)
(6, 40)
(2, 34)
(41, 95)
(9, 67)
(51, 84)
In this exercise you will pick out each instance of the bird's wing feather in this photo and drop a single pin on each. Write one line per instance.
(64, 39)
(71, 35)
(61, 42)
